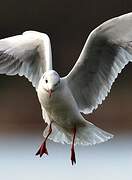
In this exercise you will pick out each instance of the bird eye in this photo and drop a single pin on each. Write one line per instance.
(46, 81)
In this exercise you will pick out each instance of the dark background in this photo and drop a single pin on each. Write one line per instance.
(68, 23)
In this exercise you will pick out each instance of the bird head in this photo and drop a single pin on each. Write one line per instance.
(51, 81)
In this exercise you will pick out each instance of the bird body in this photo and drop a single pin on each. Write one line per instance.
(63, 99)
(61, 109)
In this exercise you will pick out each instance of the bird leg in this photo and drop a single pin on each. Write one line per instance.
(43, 150)
(73, 157)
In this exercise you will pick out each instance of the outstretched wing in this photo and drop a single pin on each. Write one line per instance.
(106, 52)
(28, 54)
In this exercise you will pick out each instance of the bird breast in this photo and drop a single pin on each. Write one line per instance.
(61, 106)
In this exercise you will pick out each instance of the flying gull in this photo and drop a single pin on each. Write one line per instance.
(106, 52)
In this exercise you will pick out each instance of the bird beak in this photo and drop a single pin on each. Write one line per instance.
(50, 92)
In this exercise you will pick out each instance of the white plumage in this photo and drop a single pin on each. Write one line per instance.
(28, 54)
(106, 52)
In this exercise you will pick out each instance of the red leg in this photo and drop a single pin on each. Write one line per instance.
(43, 150)
(73, 157)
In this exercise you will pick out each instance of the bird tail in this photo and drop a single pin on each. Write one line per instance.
(87, 135)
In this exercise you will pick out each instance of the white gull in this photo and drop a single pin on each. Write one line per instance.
(106, 52)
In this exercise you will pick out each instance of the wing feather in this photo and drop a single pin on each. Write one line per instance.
(27, 55)
(106, 52)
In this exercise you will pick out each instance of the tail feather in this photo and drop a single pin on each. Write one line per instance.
(57, 135)
(91, 135)
(88, 135)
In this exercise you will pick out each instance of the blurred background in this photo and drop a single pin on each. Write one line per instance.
(68, 23)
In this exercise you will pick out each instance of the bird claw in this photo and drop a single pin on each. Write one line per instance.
(73, 157)
(42, 150)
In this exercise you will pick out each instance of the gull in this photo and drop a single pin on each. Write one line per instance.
(64, 100)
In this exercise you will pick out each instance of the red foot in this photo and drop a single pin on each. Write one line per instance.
(73, 157)
(42, 150)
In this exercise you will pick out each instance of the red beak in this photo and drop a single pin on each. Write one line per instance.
(50, 92)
